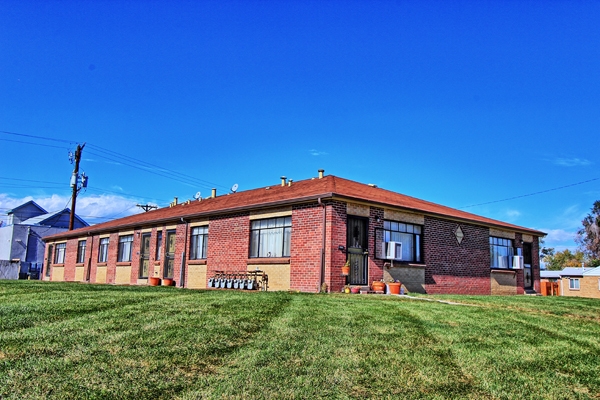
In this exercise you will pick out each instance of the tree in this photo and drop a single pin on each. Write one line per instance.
(563, 259)
(588, 237)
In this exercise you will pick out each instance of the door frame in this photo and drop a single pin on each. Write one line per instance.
(358, 256)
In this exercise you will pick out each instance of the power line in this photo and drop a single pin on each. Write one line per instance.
(125, 160)
(531, 194)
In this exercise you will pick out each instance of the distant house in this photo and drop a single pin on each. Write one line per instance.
(21, 244)
(580, 282)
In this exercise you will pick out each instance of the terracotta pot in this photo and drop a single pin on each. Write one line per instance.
(394, 287)
(378, 286)
(167, 282)
(152, 281)
(346, 270)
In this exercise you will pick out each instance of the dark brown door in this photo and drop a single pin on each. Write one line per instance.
(170, 256)
(145, 255)
(357, 244)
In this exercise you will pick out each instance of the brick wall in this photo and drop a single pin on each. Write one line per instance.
(588, 287)
(452, 267)
(336, 218)
(375, 265)
(305, 249)
(228, 243)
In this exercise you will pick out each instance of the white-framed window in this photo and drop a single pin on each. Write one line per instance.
(501, 252)
(199, 243)
(125, 244)
(411, 237)
(103, 250)
(81, 251)
(270, 237)
(59, 253)
(574, 283)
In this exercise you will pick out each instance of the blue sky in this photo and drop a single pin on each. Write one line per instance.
(457, 102)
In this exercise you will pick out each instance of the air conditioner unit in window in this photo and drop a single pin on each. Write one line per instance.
(518, 262)
(392, 250)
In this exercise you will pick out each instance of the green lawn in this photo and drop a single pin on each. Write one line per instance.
(61, 340)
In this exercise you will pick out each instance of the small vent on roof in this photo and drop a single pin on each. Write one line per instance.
(372, 185)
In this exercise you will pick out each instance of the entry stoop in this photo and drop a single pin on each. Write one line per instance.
(531, 292)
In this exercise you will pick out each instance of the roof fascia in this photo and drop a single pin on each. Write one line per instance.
(444, 216)
(222, 211)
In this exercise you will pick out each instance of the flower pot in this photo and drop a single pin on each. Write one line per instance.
(168, 282)
(152, 281)
(346, 270)
(355, 289)
(347, 290)
(394, 287)
(378, 286)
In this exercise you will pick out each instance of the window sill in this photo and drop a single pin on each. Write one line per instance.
(58, 265)
(197, 262)
(124, 264)
(79, 264)
(504, 270)
(399, 264)
(268, 260)
(101, 264)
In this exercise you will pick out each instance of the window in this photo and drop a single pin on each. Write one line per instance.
(124, 254)
(501, 252)
(199, 243)
(103, 250)
(59, 253)
(81, 251)
(271, 237)
(408, 234)
(574, 283)
(158, 245)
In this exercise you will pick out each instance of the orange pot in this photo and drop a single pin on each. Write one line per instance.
(394, 287)
(152, 281)
(346, 270)
(167, 282)
(378, 286)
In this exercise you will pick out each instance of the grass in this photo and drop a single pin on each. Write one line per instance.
(64, 340)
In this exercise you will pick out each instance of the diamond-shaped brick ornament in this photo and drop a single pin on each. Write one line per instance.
(459, 235)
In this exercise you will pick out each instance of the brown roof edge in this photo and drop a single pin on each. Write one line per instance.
(87, 231)
(500, 224)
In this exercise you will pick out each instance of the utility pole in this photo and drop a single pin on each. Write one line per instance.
(146, 207)
(74, 185)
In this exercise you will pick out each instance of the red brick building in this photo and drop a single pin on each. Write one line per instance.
(301, 234)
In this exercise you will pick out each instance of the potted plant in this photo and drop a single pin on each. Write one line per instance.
(346, 268)
(378, 286)
(346, 289)
(394, 287)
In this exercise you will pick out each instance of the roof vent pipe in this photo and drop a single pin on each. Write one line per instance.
(290, 182)
(283, 178)
(175, 201)
(213, 193)
(321, 171)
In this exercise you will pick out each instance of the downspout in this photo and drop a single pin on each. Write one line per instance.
(89, 260)
(322, 275)
(182, 269)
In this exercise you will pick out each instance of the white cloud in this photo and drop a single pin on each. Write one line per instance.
(317, 152)
(572, 162)
(513, 214)
(92, 208)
